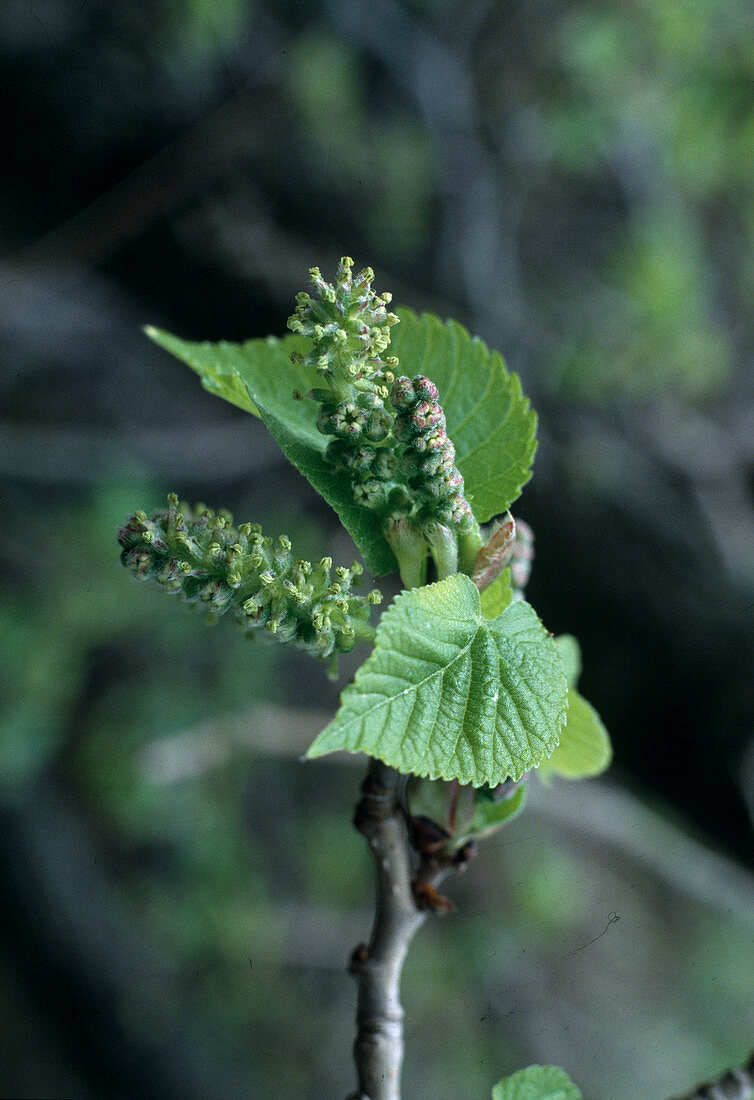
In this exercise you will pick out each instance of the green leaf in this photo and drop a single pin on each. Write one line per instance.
(496, 597)
(584, 749)
(216, 364)
(489, 420)
(491, 423)
(570, 654)
(537, 1083)
(490, 813)
(263, 369)
(449, 694)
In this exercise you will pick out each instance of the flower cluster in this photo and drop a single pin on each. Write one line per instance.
(428, 455)
(201, 556)
(350, 327)
(389, 434)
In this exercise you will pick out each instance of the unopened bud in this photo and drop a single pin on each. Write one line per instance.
(495, 554)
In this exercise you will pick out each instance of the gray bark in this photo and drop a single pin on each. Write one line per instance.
(377, 966)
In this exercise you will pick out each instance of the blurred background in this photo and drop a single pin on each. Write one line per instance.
(572, 181)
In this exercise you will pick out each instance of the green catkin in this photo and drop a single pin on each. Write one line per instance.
(428, 455)
(387, 433)
(350, 326)
(199, 555)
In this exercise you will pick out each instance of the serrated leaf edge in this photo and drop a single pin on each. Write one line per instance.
(343, 724)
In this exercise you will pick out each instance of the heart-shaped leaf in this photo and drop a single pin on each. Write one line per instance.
(449, 694)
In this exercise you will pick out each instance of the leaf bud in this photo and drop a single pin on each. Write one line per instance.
(496, 552)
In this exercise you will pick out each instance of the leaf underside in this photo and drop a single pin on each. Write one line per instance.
(537, 1083)
(263, 368)
(448, 694)
(489, 420)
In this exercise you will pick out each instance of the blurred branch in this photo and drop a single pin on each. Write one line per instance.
(601, 813)
(78, 457)
(610, 816)
(737, 1084)
(79, 946)
(476, 246)
(157, 186)
(279, 731)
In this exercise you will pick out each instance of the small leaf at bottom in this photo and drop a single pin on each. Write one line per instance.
(537, 1083)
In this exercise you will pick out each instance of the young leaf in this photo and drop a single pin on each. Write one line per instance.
(537, 1083)
(490, 813)
(584, 748)
(216, 364)
(491, 423)
(570, 654)
(263, 371)
(449, 694)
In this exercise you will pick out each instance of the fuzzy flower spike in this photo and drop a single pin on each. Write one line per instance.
(199, 555)
(389, 433)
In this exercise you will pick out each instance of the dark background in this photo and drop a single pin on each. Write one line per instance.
(571, 181)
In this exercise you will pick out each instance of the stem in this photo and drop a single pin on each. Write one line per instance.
(410, 548)
(378, 1049)
(444, 549)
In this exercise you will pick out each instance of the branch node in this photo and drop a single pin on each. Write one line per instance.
(359, 956)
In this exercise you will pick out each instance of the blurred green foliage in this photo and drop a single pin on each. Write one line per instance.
(643, 113)
(242, 870)
(384, 161)
(626, 133)
(622, 140)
